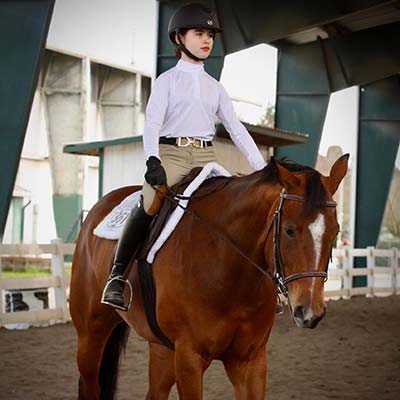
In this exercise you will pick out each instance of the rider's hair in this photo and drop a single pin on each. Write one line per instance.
(178, 53)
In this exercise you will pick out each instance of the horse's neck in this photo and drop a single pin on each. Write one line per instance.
(241, 211)
(249, 201)
(256, 205)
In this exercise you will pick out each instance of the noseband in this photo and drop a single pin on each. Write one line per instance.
(279, 274)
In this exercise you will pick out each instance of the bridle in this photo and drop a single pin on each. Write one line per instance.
(278, 276)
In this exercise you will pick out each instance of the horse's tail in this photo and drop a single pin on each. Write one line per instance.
(108, 373)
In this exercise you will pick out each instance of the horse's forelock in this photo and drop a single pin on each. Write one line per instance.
(315, 192)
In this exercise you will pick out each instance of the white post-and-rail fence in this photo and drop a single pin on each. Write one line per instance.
(59, 281)
(376, 275)
(342, 274)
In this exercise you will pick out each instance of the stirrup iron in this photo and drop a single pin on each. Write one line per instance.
(125, 281)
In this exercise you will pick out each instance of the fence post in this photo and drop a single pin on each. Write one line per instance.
(57, 268)
(347, 278)
(370, 270)
(394, 265)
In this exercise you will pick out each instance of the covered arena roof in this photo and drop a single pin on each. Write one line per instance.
(282, 23)
(356, 20)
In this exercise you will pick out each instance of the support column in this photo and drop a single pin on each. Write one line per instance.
(117, 101)
(65, 105)
(23, 32)
(303, 91)
(378, 142)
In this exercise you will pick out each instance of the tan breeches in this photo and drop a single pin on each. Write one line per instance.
(177, 162)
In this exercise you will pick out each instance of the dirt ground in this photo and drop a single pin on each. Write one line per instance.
(353, 354)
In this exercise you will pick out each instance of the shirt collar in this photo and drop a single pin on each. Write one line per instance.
(186, 66)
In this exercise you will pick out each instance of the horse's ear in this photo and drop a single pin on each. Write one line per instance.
(338, 172)
(287, 178)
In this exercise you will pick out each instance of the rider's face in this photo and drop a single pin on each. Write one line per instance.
(199, 42)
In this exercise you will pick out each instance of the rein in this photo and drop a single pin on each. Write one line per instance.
(278, 276)
(216, 232)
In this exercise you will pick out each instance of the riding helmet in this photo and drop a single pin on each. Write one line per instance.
(189, 16)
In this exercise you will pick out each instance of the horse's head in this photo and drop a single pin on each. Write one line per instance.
(305, 226)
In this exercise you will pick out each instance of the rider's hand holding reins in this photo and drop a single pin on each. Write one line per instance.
(155, 174)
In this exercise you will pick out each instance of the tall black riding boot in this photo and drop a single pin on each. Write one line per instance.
(132, 235)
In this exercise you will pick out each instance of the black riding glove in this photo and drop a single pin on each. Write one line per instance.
(155, 174)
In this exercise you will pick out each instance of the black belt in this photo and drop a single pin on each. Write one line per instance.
(185, 142)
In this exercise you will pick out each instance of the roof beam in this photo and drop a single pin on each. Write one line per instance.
(355, 59)
(268, 21)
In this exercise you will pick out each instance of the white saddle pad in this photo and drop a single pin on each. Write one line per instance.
(112, 225)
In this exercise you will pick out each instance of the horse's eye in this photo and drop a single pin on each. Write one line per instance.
(290, 231)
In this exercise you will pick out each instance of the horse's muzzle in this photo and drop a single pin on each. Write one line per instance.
(305, 318)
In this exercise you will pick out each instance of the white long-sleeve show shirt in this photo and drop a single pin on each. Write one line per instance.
(184, 102)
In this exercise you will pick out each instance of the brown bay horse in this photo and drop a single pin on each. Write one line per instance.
(216, 298)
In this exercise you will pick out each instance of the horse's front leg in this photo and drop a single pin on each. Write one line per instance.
(189, 370)
(161, 372)
(249, 376)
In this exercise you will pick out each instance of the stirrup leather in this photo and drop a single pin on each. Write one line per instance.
(125, 281)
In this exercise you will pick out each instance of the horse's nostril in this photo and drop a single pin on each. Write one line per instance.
(314, 322)
(299, 312)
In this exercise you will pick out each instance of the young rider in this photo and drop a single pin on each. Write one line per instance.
(179, 129)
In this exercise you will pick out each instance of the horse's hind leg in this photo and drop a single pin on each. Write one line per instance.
(95, 324)
(90, 352)
(91, 344)
(161, 372)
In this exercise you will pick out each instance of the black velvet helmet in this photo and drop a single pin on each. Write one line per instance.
(189, 16)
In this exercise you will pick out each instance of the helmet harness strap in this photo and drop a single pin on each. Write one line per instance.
(183, 48)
